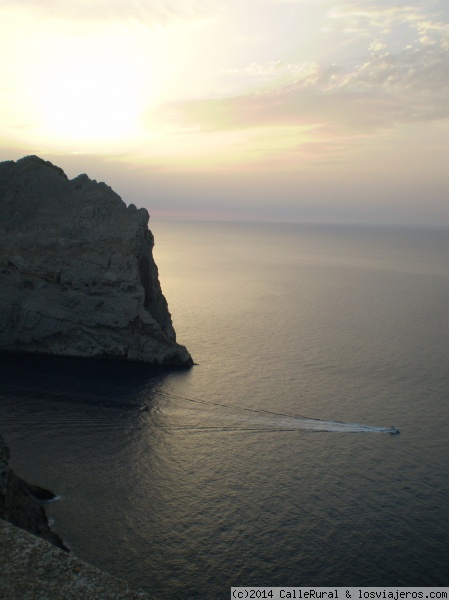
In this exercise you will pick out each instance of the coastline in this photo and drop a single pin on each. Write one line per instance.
(21, 504)
(34, 562)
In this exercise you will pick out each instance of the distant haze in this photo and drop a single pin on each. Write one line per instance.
(323, 110)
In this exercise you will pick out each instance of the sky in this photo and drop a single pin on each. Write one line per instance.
(286, 110)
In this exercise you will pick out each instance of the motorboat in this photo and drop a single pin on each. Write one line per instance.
(393, 430)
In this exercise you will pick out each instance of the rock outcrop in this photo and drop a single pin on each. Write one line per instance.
(32, 569)
(19, 502)
(34, 566)
(77, 274)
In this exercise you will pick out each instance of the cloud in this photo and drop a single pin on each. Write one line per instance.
(385, 90)
(377, 15)
(155, 12)
(276, 69)
(433, 33)
(367, 19)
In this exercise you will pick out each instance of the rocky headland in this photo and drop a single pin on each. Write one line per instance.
(77, 274)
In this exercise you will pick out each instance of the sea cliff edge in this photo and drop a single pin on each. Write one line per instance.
(77, 273)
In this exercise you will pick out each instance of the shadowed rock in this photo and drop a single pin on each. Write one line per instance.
(77, 274)
(19, 504)
(32, 569)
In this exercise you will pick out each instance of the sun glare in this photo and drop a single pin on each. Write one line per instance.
(89, 93)
(89, 104)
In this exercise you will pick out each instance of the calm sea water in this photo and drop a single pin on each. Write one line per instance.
(190, 482)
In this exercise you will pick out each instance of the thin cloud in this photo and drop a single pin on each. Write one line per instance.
(365, 19)
(384, 91)
(156, 12)
(377, 15)
(276, 69)
(433, 33)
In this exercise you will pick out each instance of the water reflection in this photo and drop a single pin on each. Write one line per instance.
(79, 380)
(69, 423)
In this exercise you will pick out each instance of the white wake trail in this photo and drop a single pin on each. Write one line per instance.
(251, 419)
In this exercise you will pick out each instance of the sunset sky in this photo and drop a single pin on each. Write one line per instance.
(307, 110)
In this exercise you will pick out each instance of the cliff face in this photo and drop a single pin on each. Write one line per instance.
(19, 504)
(77, 274)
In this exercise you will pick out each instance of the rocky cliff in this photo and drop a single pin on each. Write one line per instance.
(77, 275)
(19, 502)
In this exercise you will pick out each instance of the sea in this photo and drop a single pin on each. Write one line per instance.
(270, 462)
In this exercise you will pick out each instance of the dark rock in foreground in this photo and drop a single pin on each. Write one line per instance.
(32, 569)
(77, 274)
(19, 502)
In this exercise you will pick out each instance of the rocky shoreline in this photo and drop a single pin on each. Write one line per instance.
(33, 569)
(34, 562)
(21, 502)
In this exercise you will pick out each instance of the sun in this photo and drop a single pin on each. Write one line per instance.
(91, 92)
(99, 102)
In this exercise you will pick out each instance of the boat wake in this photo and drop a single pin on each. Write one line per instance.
(310, 424)
(194, 414)
(257, 420)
